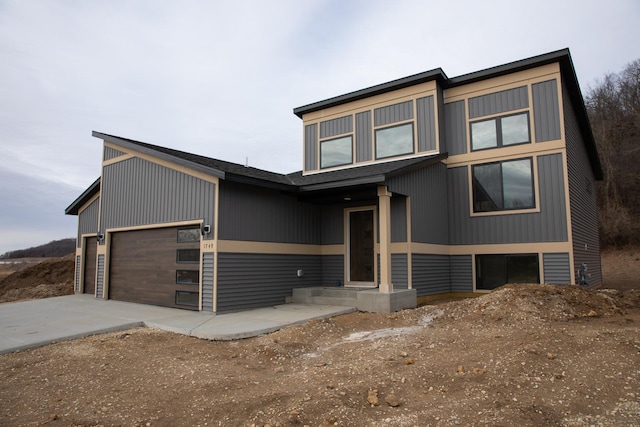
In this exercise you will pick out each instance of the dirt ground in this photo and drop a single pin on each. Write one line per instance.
(32, 278)
(522, 355)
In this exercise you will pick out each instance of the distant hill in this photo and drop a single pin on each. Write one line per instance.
(56, 248)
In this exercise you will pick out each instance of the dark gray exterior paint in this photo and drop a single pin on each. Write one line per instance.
(546, 112)
(399, 271)
(557, 268)
(256, 214)
(582, 196)
(461, 273)
(498, 102)
(455, 128)
(332, 225)
(431, 274)
(311, 147)
(335, 127)
(398, 219)
(111, 153)
(88, 221)
(548, 225)
(262, 280)
(100, 276)
(332, 270)
(426, 121)
(207, 281)
(393, 113)
(427, 190)
(363, 137)
(153, 194)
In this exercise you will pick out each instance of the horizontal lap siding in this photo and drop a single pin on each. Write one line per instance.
(207, 281)
(461, 273)
(548, 225)
(431, 274)
(557, 268)
(261, 280)
(399, 271)
(251, 213)
(88, 220)
(499, 102)
(152, 194)
(333, 270)
(582, 194)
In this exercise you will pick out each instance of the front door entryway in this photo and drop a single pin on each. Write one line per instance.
(361, 247)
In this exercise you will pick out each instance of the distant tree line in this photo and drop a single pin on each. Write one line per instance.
(613, 105)
(56, 248)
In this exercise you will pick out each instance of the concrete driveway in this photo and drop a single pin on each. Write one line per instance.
(38, 322)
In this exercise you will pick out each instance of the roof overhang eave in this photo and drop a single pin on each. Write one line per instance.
(86, 195)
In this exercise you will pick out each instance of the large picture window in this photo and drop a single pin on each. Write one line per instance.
(336, 152)
(500, 132)
(493, 271)
(394, 141)
(506, 185)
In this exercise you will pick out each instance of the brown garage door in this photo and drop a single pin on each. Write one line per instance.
(90, 254)
(157, 266)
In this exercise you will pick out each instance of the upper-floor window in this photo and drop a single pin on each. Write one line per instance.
(336, 152)
(505, 185)
(394, 141)
(500, 131)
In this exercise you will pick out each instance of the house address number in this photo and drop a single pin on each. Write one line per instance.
(208, 246)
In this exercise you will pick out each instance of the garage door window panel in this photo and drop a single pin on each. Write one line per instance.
(187, 277)
(187, 256)
(188, 235)
(190, 299)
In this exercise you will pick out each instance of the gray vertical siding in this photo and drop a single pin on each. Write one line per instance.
(78, 270)
(582, 196)
(455, 128)
(393, 113)
(111, 153)
(427, 190)
(398, 219)
(337, 126)
(557, 269)
(548, 225)
(88, 221)
(137, 192)
(100, 276)
(207, 281)
(262, 280)
(499, 102)
(430, 274)
(426, 124)
(546, 111)
(363, 137)
(311, 147)
(263, 215)
(332, 270)
(461, 273)
(399, 271)
(332, 225)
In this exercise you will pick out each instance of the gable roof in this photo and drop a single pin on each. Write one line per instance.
(86, 195)
(562, 57)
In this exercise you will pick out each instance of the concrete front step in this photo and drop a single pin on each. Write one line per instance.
(364, 299)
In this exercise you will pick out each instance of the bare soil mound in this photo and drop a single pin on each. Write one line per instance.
(53, 277)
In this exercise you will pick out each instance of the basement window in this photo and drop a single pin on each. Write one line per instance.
(493, 271)
(190, 299)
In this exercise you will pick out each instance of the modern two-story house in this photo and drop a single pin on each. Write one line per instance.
(422, 186)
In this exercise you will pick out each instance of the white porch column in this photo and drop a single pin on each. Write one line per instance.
(384, 209)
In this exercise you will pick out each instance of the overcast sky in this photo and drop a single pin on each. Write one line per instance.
(220, 79)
